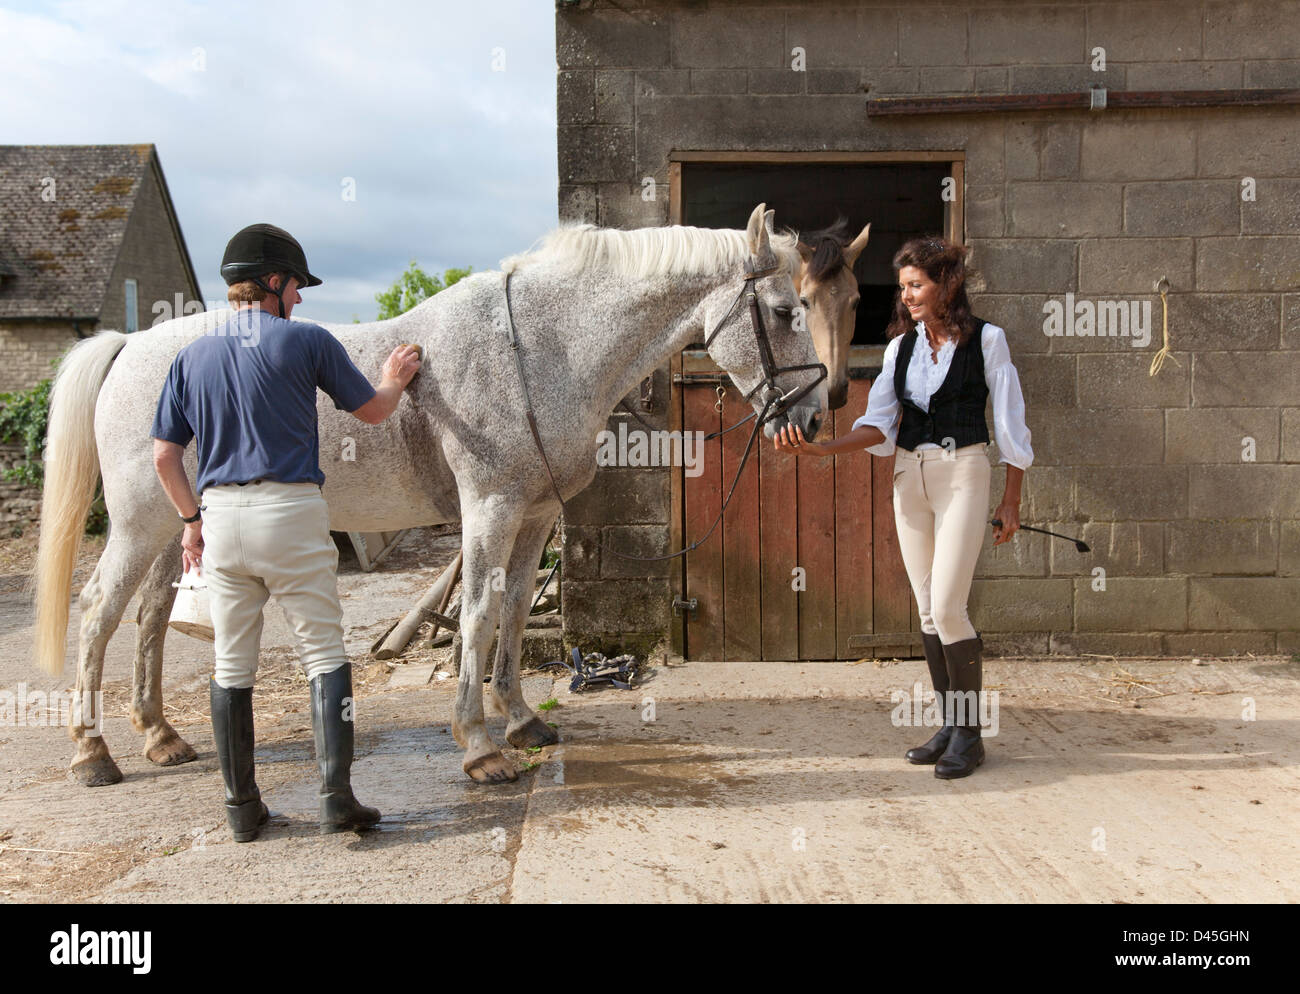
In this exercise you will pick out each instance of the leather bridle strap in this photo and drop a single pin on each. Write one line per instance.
(528, 403)
(772, 398)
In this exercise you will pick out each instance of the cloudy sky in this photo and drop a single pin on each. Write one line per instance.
(442, 113)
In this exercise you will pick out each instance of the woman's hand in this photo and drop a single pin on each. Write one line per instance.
(1009, 514)
(192, 546)
(790, 439)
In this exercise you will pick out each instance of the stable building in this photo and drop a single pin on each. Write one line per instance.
(89, 241)
(1105, 162)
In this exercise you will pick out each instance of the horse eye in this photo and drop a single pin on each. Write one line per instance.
(783, 311)
(803, 302)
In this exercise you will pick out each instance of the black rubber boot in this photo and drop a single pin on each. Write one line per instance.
(935, 659)
(232, 728)
(965, 676)
(331, 719)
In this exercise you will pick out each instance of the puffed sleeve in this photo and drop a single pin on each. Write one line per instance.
(1009, 428)
(883, 407)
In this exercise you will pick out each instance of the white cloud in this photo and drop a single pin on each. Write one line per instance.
(454, 163)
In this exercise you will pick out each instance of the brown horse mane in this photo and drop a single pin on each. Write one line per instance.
(828, 245)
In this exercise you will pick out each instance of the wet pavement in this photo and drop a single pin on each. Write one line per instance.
(1107, 781)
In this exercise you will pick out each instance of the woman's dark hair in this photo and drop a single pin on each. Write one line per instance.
(945, 263)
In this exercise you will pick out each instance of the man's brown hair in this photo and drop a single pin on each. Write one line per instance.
(248, 292)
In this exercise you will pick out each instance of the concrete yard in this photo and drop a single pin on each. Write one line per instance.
(1110, 780)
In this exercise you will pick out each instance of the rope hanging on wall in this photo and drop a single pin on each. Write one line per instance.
(1162, 287)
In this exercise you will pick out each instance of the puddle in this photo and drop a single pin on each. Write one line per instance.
(676, 773)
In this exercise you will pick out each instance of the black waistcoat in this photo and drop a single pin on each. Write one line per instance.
(956, 408)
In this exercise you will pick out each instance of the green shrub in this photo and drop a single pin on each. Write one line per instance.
(24, 415)
(24, 418)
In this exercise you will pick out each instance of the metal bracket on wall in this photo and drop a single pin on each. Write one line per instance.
(648, 394)
(680, 607)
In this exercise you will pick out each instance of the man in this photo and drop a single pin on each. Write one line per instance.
(247, 396)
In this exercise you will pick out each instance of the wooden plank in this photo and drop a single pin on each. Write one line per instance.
(742, 620)
(853, 529)
(813, 158)
(816, 519)
(1115, 100)
(954, 211)
(892, 603)
(702, 500)
(676, 209)
(977, 103)
(890, 640)
(779, 552)
(677, 568)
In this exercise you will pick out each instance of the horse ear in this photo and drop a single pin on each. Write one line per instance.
(769, 222)
(855, 247)
(756, 232)
(805, 252)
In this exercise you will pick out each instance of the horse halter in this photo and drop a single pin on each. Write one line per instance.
(773, 398)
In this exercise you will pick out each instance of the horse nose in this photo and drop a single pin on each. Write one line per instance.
(814, 426)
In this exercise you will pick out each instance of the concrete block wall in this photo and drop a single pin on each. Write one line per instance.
(1199, 543)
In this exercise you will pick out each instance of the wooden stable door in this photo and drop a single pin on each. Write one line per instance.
(825, 525)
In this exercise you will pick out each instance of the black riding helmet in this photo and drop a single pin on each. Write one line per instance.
(262, 249)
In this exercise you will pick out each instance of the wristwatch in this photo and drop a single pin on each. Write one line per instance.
(189, 521)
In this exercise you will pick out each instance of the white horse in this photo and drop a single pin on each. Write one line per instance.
(595, 311)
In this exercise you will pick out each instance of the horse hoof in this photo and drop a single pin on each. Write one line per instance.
(532, 734)
(492, 768)
(171, 751)
(96, 772)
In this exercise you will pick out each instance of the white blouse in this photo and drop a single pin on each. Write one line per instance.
(924, 377)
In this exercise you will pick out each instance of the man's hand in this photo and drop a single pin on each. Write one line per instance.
(402, 364)
(192, 546)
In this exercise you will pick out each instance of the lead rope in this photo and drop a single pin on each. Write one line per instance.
(749, 447)
(1159, 359)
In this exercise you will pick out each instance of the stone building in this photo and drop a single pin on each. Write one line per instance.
(1091, 155)
(89, 239)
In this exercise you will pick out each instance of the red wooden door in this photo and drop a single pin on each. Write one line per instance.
(806, 556)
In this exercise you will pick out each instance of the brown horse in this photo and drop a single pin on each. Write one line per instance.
(828, 291)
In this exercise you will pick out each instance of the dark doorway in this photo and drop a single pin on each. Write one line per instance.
(900, 199)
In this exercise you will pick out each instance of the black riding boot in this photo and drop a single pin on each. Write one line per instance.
(331, 719)
(934, 658)
(965, 675)
(232, 728)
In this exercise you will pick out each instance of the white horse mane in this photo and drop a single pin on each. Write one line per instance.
(647, 252)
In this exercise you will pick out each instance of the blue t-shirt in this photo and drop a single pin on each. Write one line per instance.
(247, 392)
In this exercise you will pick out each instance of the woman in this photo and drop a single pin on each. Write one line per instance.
(940, 366)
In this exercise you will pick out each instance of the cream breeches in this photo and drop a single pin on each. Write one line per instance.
(941, 503)
(265, 540)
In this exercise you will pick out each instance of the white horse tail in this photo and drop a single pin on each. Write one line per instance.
(71, 472)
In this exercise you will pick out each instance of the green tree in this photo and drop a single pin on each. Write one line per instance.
(414, 287)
